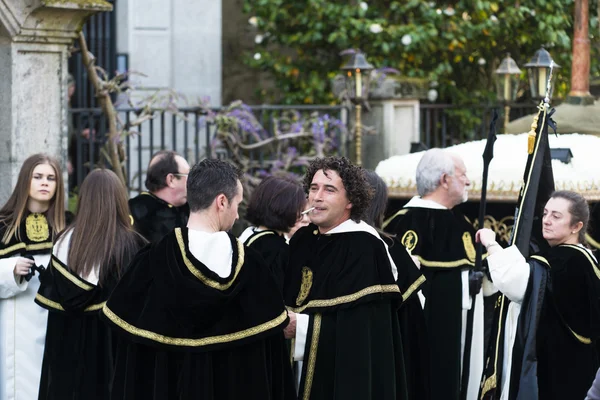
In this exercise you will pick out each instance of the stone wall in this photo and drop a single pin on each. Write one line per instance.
(175, 43)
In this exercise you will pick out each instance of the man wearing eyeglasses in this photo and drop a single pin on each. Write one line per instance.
(164, 206)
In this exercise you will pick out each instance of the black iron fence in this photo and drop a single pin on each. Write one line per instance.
(444, 125)
(189, 132)
(100, 32)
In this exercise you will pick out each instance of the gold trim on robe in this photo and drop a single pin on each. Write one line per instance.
(348, 298)
(258, 236)
(312, 358)
(201, 277)
(210, 340)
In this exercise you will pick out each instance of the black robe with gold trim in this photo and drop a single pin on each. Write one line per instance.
(592, 237)
(344, 283)
(153, 218)
(412, 324)
(35, 238)
(79, 351)
(273, 248)
(554, 355)
(442, 239)
(190, 334)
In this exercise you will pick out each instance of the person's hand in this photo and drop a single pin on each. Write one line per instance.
(475, 282)
(290, 331)
(22, 266)
(485, 236)
(69, 167)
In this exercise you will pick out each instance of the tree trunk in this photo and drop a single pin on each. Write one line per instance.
(113, 140)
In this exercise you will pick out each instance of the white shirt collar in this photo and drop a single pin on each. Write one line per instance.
(421, 203)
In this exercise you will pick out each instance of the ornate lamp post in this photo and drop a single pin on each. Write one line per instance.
(357, 76)
(538, 70)
(507, 83)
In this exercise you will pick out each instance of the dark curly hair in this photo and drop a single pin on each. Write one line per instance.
(357, 187)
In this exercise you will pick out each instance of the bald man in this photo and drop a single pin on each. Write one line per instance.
(164, 206)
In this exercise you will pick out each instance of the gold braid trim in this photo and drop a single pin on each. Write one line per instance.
(588, 256)
(541, 259)
(580, 338)
(12, 248)
(173, 341)
(70, 276)
(525, 187)
(390, 219)
(312, 358)
(348, 298)
(489, 384)
(57, 306)
(258, 236)
(446, 264)
(95, 307)
(590, 240)
(207, 281)
(416, 284)
(19, 246)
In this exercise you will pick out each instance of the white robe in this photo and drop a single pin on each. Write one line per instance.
(22, 332)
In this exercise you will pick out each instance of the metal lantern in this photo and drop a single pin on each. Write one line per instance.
(538, 71)
(357, 73)
(508, 80)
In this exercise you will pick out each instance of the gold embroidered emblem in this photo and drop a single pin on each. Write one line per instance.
(36, 227)
(307, 277)
(469, 248)
(410, 240)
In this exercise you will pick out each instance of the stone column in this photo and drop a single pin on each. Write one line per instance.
(396, 125)
(35, 36)
(580, 64)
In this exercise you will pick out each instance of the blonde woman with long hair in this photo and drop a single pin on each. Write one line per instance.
(29, 221)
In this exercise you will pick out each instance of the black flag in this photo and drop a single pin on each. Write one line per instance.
(538, 185)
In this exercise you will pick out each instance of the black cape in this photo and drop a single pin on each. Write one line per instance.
(79, 350)
(353, 346)
(443, 240)
(274, 249)
(563, 296)
(412, 323)
(192, 334)
(153, 218)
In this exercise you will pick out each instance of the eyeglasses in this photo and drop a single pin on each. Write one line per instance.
(178, 174)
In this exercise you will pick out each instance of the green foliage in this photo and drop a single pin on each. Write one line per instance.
(457, 44)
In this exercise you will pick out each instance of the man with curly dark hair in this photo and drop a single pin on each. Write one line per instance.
(341, 290)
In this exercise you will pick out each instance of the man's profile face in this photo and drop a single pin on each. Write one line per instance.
(231, 213)
(459, 183)
(180, 181)
(328, 195)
